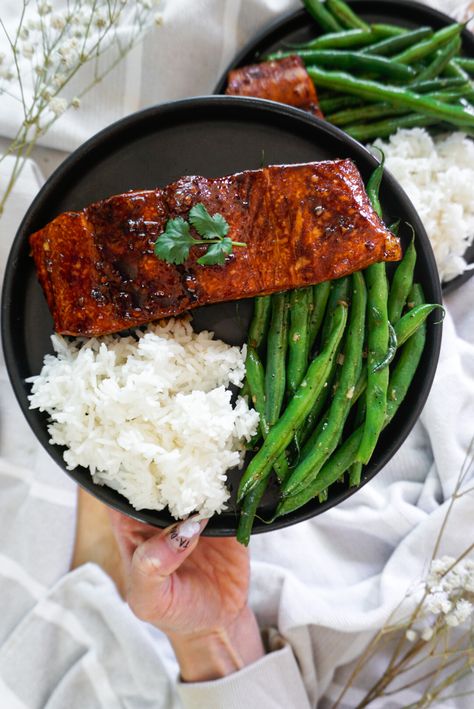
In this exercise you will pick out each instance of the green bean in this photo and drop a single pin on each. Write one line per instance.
(323, 496)
(356, 61)
(281, 434)
(373, 188)
(385, 109)
(377, 339)
(404, 371)
(248, 511)
(395, 44)
(347, 17)
(387, 30)
(441, 59)
(336, 466)
(355, 474)
(256, 383)
(255, 379)
(355, 471)
(381, 129)
(338, 40)
(344, 456)
(312, 420)
(438, 84)
(276, 357)
(373, 90)
(332, 428)
(451, 95)
(391, 351)
(374, 110)
(401, 284)
(339, 293)
(465, 63)
(410, 322)
(318, 12)
(428, 46)
(298, 337)
(258, 329)
(455, 71)
(335, 103)
(320, 298)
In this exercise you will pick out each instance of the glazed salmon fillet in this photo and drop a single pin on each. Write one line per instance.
(284, 80)
(302, 224)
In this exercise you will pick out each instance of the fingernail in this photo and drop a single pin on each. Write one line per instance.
(181, 536)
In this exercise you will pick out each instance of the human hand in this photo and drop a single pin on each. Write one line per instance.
(193, 589)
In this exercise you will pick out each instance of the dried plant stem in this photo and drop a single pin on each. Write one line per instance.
(439, 648)
(66, 42)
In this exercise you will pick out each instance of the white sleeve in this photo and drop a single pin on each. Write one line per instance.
(273, 682)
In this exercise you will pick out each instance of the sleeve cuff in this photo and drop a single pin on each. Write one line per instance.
(272, 682)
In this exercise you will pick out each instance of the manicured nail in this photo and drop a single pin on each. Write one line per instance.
(181, 536)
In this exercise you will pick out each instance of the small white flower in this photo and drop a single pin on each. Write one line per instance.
(147, 4)
(68, 53)
(44, 8)
(58, 22)
(463, 610)
(438, 568)
(469, 583)
(427, 633)
(158, 19)
(452, 620)
(437, 603)
(24, 33)
(6, 73)
(411, 635)
(46, 94)
(27, 50)
(100, 21)
(57, 105)
(58, 80)
(76, 102)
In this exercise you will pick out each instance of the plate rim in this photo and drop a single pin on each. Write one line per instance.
(110, 133)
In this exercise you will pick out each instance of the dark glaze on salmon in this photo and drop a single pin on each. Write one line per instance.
(302, 224)
(285, 80)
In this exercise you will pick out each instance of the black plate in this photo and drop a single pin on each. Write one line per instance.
(298, 26)
(212, 136)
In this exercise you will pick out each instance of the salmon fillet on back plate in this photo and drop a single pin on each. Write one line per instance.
(301, 224)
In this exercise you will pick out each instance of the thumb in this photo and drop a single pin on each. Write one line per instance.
(153, 563)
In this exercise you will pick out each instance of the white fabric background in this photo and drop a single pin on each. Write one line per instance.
(329, 582)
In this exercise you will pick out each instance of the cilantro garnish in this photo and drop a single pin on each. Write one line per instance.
(174, 244)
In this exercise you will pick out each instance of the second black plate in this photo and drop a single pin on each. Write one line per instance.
(298, 26)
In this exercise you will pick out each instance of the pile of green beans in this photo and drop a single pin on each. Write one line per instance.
(312, 354)
(373, 79)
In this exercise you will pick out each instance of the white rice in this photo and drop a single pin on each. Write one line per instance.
(438, 176)
(150, 417)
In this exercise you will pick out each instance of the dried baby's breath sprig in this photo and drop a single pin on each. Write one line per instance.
(49, 47)
(433, 644)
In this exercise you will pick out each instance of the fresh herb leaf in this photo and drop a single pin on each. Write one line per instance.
(208, 227)
(216, 253)
(174, 244)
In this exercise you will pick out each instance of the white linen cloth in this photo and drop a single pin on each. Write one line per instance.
(66, 639)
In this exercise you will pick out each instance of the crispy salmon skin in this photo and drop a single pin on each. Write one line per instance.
(302, 224)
